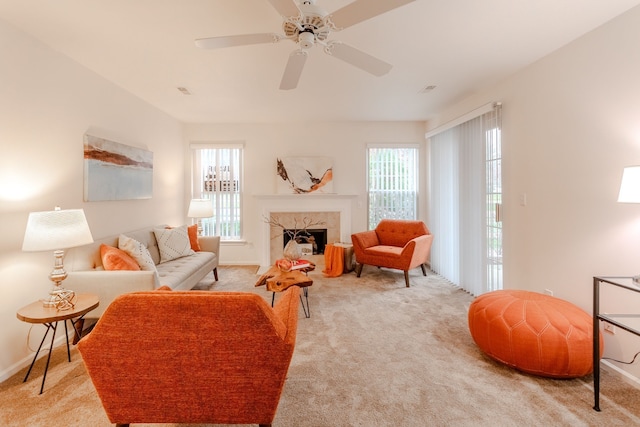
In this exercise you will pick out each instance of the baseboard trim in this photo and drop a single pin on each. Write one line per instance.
(624, 375)
(26, 361)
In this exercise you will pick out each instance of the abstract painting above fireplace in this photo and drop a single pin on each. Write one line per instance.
(303, 175)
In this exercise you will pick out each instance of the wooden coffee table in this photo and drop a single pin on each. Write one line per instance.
(277, 280)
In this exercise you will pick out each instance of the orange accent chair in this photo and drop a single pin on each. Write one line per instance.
(534, 333)
(395, 243)
(192, 356)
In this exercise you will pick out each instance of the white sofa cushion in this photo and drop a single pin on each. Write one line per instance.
(185, 272)
(173, 243)
(137, 251)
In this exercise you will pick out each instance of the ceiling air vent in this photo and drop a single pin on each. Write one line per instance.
(427, 89)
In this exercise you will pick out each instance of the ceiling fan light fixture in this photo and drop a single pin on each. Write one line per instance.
(306, 40)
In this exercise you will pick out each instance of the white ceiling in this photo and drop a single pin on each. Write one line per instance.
(460, 46)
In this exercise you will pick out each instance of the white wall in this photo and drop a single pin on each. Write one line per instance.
(571, 122)
(47, 103)
(345, 142)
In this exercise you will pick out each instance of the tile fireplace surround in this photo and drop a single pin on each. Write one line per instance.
(333, 209)
(288, 219)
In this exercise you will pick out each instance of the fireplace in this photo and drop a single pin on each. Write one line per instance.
(290, 220)
(332, 209)
(315, 238)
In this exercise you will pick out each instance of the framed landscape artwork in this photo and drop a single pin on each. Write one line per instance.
(303, 175)
(114, 171)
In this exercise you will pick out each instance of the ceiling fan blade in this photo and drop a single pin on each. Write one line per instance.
(361, 10)
(286, 8)
(358, 58)
(240, 40)
(293, 70)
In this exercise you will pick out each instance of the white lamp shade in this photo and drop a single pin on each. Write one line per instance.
(200, 208)
(57, 229)
(630, 185)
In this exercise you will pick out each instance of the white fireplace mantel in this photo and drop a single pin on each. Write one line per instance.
(268, 203)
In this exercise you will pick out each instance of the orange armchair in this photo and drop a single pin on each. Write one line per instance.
(192, 356)
(398, 244)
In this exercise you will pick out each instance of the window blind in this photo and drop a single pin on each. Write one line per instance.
(465, 162)
(392, 182)
(217, 172)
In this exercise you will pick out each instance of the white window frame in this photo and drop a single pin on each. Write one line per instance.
(222, 183)
(395, 183)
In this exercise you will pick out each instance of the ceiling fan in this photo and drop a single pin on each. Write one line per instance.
(308, 25)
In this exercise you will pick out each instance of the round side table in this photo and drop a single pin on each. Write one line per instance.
(50, 316)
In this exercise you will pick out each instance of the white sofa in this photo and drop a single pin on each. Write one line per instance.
(87, 275)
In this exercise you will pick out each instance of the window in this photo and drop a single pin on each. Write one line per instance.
(392, 182)
(217, 176)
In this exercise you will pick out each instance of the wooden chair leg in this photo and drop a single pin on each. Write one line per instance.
(359, 269)
(122, 425)
(424, 269)
(264, 425)
(406, 277)
(215, 273)
(77, 334)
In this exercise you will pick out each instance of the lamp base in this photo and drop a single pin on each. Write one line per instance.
(60, 298)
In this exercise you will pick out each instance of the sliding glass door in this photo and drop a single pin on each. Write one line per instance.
(493, 171)
(466, 200)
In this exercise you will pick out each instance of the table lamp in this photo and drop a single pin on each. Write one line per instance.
(55, 231)
(200, 208)
(630, 185)
(630, 192)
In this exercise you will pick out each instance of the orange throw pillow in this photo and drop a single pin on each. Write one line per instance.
(117, 259)
(193, 237)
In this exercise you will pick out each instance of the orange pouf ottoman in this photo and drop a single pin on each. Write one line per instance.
(534, 333)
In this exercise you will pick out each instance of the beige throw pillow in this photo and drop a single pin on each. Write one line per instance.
(173, 243)
(137, 251)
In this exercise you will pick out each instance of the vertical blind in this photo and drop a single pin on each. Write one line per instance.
(216, 175)
(465, 180)
(392, 182)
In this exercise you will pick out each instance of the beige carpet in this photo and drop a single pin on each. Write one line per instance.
(373, 353)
